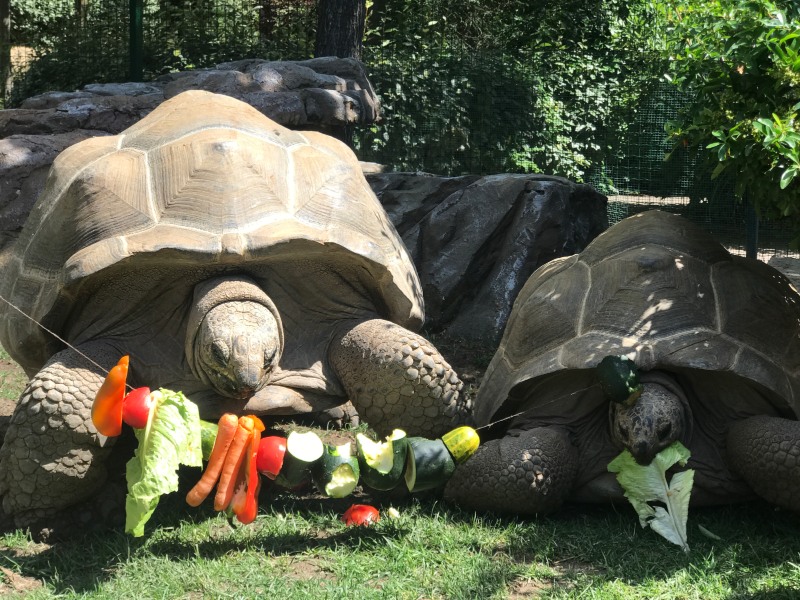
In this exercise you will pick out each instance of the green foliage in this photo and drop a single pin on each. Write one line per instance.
(74, 50)
(479, 88)
(739, 61)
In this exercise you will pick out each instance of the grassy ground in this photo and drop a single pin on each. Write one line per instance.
(298, 548)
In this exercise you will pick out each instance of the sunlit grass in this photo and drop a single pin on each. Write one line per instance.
(298, 548)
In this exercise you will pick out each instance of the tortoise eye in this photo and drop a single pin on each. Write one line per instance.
(219, 350)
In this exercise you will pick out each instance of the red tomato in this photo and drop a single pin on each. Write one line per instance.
(136, 407)
(269, 460)
(361, 514)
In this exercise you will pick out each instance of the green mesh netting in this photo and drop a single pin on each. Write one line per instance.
(448, 108)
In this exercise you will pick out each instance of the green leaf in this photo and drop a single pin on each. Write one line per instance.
(646, 484)
(787, 177)
(171, 438)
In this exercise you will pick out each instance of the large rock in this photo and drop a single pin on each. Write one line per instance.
(476, 240)
(324, 94)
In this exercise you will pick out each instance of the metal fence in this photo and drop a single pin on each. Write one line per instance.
(448, 108)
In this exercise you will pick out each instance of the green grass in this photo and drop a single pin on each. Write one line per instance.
(12, 378)
(298, 548)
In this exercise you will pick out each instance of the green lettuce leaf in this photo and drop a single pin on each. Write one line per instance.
(645, 484)
(171, 438)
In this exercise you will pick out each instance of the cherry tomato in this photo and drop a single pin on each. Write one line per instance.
(136, 407)
(361, 514)
(271, 451)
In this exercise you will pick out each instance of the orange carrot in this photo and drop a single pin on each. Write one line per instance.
(233, 463)
(228, 424)
(107, 405)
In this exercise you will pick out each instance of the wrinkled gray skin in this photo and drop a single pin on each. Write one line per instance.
(656, 419)
(238, 347)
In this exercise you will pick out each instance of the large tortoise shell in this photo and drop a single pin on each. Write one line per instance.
(661, 290)
(202, 180)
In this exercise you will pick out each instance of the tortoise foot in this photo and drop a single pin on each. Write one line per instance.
(104, 510)
(529, 473)
(52, 456)
(765, 452)
(338, 417)
(396, 378)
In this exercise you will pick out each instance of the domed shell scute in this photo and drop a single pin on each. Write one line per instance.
(548, 310)
(648, 292)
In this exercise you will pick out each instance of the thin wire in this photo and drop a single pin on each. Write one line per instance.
(53, 333)
(538, 406)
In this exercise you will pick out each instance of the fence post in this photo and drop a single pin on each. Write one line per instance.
(5, 49)
(136, 40)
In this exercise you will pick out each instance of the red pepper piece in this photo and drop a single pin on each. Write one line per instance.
(249, 510)
(107, 406)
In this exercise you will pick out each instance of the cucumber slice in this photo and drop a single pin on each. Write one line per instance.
(382, 463)
(429, 464)
(462, 442)
(336, 473)
(303, 450)
(619, 379)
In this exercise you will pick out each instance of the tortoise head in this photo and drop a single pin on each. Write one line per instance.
(234, 337)
(651, 422)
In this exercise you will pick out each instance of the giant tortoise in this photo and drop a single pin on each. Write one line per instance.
(247, 265)
(714, 337)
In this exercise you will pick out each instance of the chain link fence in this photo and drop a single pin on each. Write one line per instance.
(450, 106)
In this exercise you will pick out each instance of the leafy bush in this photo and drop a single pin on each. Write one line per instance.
(739, 61)
(479, 87)
(73, 50)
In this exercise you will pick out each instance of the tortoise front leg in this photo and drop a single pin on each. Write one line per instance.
(527, 473)
(765, 452)
(396, 379)
(52, 456)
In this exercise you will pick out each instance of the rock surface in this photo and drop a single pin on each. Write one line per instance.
(476, 240)
(324, 94)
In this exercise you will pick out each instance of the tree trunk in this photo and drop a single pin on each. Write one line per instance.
(340, 28)
(5, 50)
(266, 21)
(81, 8)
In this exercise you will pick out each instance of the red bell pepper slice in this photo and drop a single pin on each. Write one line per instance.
(246, 509)
(107, 406)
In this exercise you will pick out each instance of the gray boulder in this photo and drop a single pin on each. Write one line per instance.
(476, 240)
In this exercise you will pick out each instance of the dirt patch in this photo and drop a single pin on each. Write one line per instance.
(305, 570)
(530, 588)
(14, 583)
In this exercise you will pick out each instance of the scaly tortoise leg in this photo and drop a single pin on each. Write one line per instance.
(396, 379)
(52, 456)
(765, 452)
(530, 472)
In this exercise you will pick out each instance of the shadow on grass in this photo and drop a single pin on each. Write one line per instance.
(580, 546)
